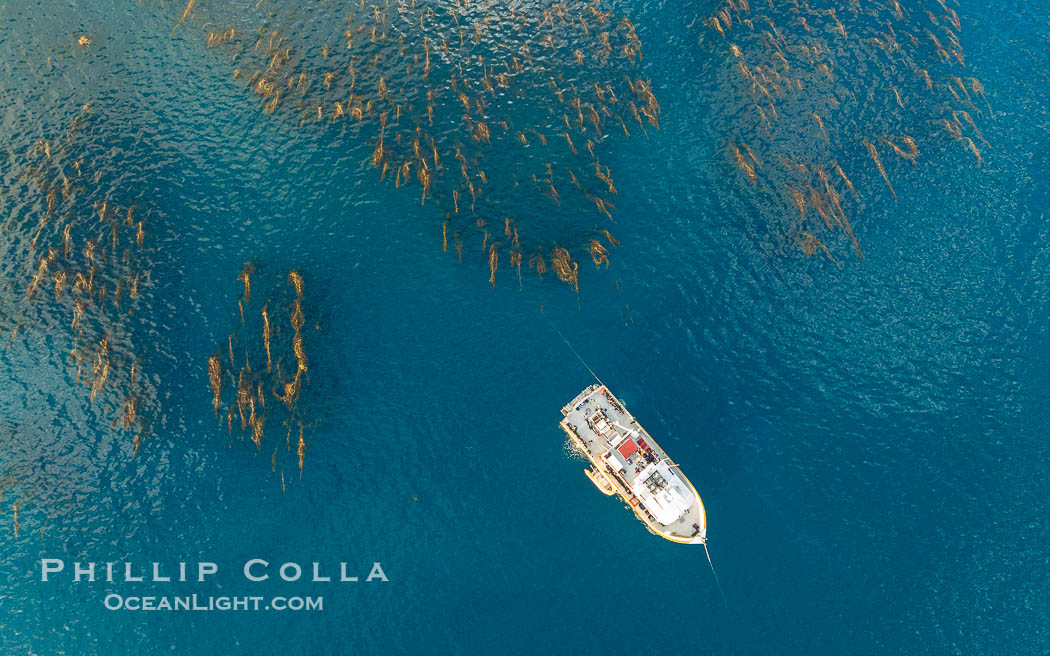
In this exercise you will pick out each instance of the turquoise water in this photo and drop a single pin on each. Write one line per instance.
(868, 437)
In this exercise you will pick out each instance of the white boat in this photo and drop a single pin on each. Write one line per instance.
(627, 462)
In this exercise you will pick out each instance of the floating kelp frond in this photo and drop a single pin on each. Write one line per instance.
(878, 163)
(296, 318)
(300, 450)
(215, 380)
(565, 268)
(493, 264)
(297, 349)
(245, 276)
(185, 13)
(599, 254)
(267, 333)
(296, 281)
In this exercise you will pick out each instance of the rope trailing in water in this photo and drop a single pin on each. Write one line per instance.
(715, 574)
(588, 368)
(574, 352)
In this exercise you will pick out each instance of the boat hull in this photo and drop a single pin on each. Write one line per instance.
(596, 445)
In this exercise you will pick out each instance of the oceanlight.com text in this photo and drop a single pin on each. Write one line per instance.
(198, 603)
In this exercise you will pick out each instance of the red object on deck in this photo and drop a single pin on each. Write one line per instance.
(628, 449)
(642, 444)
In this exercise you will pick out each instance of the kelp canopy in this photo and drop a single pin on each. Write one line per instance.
(497, 116)
(822, 94)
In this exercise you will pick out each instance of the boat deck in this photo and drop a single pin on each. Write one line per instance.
(609, 436)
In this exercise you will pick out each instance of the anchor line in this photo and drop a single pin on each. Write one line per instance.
(579, 357)
(715, 574)
(575, 352)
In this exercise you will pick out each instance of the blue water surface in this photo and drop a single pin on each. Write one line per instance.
(869, 439)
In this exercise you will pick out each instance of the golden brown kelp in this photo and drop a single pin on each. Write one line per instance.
(185, 13)
(242, 397)
(300, 450)
(296, 281)
(565, 268)
(300, 353)
(599, 254)
(539, 263)
(973, 149)
(747, 168)
(296, 319)
(215, 380)
(100, 369)
(810, 244)
(878, 163)
(245, 276)
(845, 179)
(82, 248)
(285, 351)
(433, 98)
(797, 81)
(267, 334)
(910, 154)
(493, 264)
(129, 411)
(515, 261)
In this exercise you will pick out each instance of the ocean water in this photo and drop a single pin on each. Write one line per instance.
(869, 437)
